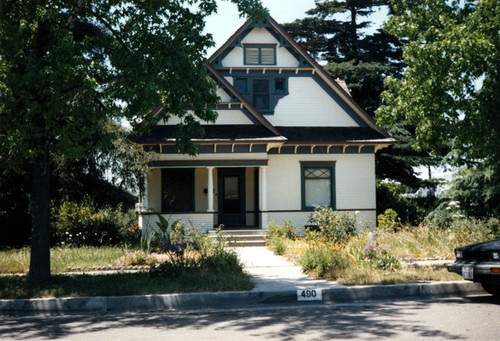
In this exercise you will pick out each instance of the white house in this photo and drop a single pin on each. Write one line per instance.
(287, 137)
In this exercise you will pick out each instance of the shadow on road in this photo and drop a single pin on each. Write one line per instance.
(374, 320)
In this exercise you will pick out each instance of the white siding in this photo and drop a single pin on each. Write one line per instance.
(202, 221)
(260, 36)
(309, 105)
(224, 97)
(231, 116)
(354, 180)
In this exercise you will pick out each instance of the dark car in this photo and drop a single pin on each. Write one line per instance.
(479, 262)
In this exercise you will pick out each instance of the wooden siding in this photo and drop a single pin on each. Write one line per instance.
(354, 180)
(229, 116)
(309, 105)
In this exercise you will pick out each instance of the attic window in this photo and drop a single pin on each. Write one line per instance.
(260, 54)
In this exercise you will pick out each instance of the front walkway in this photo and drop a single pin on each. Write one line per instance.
(274, 273)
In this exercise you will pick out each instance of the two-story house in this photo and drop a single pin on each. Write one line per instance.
(287, 137)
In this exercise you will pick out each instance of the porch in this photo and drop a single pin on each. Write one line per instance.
(206, 197)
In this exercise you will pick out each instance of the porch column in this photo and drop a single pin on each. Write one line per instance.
(263, 188)
(210, 189)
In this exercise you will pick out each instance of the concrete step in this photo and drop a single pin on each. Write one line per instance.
(246, 232)
(245, 243)
(242, 238)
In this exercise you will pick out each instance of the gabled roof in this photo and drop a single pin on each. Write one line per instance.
(305, 58)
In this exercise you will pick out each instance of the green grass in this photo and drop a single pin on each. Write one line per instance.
(62, 259)
(120, 285)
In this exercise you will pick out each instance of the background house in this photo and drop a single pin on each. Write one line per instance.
(287, 137)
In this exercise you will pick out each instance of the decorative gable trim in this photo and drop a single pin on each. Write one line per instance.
(305, 61)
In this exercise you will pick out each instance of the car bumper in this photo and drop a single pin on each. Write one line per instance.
(484, 272)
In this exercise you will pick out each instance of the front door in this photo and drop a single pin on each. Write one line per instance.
(231, 183)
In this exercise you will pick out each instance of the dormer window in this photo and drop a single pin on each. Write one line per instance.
(260, 54)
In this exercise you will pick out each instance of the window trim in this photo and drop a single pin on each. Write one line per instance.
(259, 47)
(184, 171)
(317, 164)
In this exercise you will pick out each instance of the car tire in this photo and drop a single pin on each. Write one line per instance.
(492, 288)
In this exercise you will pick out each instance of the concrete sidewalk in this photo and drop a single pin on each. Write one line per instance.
(274, 273)
(277, 281)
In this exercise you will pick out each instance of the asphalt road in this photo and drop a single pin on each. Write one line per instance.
(472, 318)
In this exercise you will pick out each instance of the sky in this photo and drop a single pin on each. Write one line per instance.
(226, 21)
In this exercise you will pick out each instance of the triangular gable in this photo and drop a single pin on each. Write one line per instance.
(305, 60)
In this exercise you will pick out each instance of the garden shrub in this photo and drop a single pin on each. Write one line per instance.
(82, 223)
(287, 230)
(333, 226)
(388, 221)
(324, 261)
(278, 244)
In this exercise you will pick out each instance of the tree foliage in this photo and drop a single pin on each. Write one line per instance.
(449, 91)
(68, 67)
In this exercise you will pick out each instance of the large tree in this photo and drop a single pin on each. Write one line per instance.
(450, 89)
(69, 66)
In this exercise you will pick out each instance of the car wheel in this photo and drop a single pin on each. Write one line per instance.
(492, 288)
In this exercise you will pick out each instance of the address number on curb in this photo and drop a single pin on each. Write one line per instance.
(309, 295)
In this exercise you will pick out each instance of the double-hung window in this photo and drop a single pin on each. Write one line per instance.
(260, 54)
(177, 186)
(318, 184)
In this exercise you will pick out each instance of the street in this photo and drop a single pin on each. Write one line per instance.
(472, 318)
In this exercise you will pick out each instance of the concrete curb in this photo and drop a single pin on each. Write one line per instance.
(234, 299)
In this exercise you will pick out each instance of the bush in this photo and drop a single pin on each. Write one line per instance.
(81, 223)
(334, 227)
(388, 220)
(324, 261)
(287, 230)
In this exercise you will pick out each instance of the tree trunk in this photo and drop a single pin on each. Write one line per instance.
(40, 219)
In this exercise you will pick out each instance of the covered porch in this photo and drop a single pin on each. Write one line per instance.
(206, 193)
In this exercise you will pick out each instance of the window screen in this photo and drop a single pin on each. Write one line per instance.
(177, 190)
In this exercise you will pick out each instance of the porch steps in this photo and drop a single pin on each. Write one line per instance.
(242, 238)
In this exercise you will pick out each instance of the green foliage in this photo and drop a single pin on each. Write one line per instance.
(449, 91)
(82, 223)
(380, 256)
(388, 220)
(69, 71)
(287, 230)
(333, 226)
(323, 261)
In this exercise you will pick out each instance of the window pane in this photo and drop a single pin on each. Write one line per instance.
(267, 55)
(279, 84)
(251, 55)
(260, 98)
(177, 190)
(317, 192)
(231, 188)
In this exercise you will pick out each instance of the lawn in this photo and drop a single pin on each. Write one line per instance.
(209, 276)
